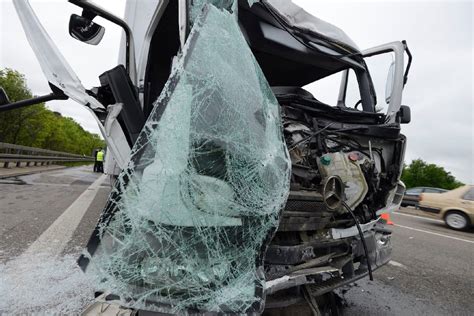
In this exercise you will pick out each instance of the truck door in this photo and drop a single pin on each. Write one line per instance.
(59, 73)
(395, 78)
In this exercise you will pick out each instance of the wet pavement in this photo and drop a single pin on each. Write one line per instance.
(431, 272)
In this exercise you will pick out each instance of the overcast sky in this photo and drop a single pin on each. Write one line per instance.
(439, 90)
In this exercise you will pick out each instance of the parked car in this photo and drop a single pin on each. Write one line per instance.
(456, 207)
(412, 195)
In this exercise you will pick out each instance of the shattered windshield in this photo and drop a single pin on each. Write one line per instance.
(190, 217)
(195, 7)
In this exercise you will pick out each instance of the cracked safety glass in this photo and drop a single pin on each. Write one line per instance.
(189, 220)
(195, 7)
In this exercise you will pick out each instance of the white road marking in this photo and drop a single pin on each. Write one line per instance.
(436, 234)
(40, 280)
(53, 240)
(421, 217)
(397, 264)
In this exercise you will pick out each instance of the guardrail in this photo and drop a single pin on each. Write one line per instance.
(17, 154)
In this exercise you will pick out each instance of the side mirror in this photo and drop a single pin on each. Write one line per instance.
(404, 114)
(3, 97)
(84, 30)
(390, 82)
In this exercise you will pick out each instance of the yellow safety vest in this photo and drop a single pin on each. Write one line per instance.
(100, 156)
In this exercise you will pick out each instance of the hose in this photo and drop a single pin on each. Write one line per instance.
(361, 234)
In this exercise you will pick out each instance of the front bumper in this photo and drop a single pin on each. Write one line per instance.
(287, 290)
(341, 270)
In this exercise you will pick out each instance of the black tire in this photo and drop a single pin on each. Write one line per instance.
(456, 220)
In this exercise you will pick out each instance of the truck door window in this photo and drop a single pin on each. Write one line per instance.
(326, 89)
(353, 98)
(379, 68)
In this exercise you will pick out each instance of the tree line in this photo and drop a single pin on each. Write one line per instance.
(37, 126)
(422, 174)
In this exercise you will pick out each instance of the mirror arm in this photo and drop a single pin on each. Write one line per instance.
(88, 14)
(23, 103)
(56, 94)
(410, 58)
(90, 8)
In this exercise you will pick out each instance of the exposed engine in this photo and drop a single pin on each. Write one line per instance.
(340, 179)
(327, 162)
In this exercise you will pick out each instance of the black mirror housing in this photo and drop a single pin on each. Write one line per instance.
(404, 115)
(84, 30)
(3, 97)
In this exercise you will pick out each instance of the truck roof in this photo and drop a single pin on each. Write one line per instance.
(300, 19)
(293, 47)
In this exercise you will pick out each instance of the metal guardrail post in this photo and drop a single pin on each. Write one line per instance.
(18, 163)
(28, 162)
(5, 165)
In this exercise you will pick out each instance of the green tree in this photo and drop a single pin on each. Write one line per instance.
(421, 174)
(17, 124)
(38, 126)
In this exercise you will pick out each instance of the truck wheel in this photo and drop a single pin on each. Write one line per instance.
(456, 220)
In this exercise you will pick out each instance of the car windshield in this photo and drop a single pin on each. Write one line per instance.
(434, 190)
(414, 191)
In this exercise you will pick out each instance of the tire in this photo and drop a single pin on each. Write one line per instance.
(456, 220)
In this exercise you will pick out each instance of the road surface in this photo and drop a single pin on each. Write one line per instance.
(431, 272)
(47, 218)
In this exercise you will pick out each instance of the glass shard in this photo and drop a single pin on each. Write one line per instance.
(188, 223)
(195, 7)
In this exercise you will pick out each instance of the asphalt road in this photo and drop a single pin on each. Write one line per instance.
(57, 209)
(431, 272)
(30, 204)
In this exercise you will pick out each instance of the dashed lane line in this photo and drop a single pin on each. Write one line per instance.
(435, 234)
(421, 217)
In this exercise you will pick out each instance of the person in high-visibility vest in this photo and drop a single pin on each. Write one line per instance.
(99, 158)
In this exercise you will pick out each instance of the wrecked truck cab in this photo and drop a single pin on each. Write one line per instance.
(346, 156)
(240, 191)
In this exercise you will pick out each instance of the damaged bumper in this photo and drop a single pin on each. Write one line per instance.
(341, 267)
(287, 290)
